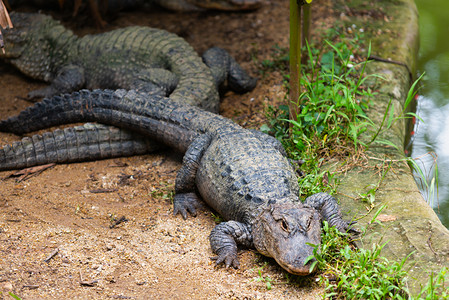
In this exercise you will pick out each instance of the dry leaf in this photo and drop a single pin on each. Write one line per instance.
(5, 21)
(28, 172)
(386, 218)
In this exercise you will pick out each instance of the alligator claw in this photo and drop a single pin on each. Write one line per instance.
(183, 203)
(228, 257)
(38, 94)
(350, 229)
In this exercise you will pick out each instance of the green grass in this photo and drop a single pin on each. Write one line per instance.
(351, 273)
(331, 123)
(436, 287)
(330, 115)
(267, 280)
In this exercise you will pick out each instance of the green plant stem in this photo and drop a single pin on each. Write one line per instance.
(295, 55)
(307, 21)
(381, 124)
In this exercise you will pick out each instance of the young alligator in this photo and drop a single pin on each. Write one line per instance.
(148, 59)
(242, 174)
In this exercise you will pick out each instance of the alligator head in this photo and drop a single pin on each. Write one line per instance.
(16, 39)
(283, 230)
(28, 43)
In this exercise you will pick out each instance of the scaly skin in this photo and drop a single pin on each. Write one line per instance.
(198, 5)
(247, 180)
(140, 58)
(176, 5)
(74, 144)
(153, 61)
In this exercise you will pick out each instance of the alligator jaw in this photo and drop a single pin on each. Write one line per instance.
(301, 271)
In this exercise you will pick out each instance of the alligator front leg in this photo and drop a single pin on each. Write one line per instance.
(186, 200)
(329, 210)
(69, 78)
(224, 239)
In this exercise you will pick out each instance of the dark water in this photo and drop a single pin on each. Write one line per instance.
(431, 141)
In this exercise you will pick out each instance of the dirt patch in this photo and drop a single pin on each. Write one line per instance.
(56, 238)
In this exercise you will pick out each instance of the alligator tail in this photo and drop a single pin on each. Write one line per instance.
(74, 144)
(158, 118)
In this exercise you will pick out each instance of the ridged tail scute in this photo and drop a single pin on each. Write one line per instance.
(54, 111)
(155, 117)
(74, 144)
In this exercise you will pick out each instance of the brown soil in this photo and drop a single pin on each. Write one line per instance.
(153, 254)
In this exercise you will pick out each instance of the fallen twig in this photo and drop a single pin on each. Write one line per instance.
(117, 222)
(87, 283)
(97, 191)
(51, 255)
(29, 172)
(31, 286)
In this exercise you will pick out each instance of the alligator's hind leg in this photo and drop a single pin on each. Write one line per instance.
(269, 140)
(69, 78)
(186, 200)
(329, 210)
(224, 68)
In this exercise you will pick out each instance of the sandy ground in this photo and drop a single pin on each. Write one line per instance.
(56, 239)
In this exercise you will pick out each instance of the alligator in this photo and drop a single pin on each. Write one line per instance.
(100, 8)
(140, 58)
(242, 174)
(112, 6)
(146, 59)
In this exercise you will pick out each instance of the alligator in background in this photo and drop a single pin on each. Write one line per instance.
(100, 8)
(140, 58)
(150, 60)
(176, 5)
(243, 174)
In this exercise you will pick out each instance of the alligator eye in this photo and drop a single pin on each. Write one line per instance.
(284, 225)
(309, 222)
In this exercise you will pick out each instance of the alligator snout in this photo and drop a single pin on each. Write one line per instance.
(285, 231)
(297, 269)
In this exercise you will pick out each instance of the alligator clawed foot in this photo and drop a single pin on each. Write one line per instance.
(229, 258)
(183, 203)
(36, 95)
(350, 228)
